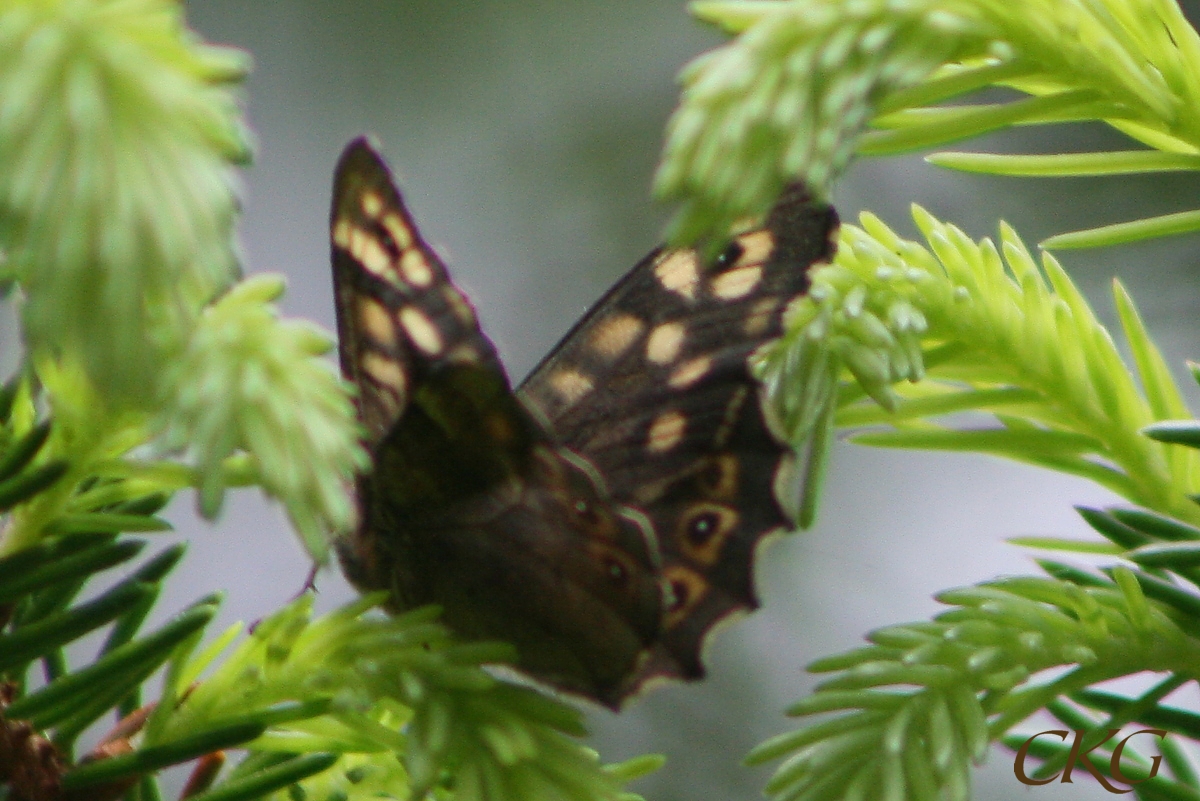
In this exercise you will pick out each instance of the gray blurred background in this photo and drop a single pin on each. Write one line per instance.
(525, 136)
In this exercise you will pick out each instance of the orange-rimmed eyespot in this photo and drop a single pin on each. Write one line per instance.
(686, 588)
(703, 530)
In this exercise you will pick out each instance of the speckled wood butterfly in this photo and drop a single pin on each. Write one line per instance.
(604, 516)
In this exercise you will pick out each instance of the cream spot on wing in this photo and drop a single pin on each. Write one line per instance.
(759, 319)
(342, 233)
(385, 372)
(664, 343)
(380, 410)
(369, 253)
(395, 226)
(679, 273)
(415, 269)
(690, 372)
(459, 305)
(372, 204)
(666, 432)
(737, 283)
(464, 354)
(613, 336)
(421, 330)
(571, 385)
(377, 322)
(650, 492)
(756, 247)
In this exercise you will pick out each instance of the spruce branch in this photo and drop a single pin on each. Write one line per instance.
(373, 703)
(250, 382)
(804, 84)
(917, 706)
(987, 329)
(401, 702)
(38, 617)
(979, 328)
(119, 132)
(788, 97)
(116, 199)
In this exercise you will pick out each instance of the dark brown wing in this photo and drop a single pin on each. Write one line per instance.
(653, 387)
(469, 503)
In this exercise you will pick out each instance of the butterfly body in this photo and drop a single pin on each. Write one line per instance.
(603, 517)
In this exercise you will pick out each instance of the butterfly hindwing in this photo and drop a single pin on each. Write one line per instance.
(653, 386)
(470, 503)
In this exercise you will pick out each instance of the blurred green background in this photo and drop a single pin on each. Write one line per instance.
(525, 136)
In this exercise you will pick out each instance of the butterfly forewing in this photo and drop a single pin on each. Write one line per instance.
(653, 386)
(470, 503)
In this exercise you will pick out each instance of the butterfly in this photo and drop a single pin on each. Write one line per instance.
(605, 515)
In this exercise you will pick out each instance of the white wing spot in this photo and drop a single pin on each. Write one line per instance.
(690, 372)
(421, 330)
(377, 322)
(664, 343)
(679, 273)
(737, 283)
(395, 226)
(372, 204)
(666, 432)
(614, 335)
(571, 385)
(415, 269)
(342, 233)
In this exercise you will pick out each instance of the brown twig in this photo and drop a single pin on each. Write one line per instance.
(29, 763)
